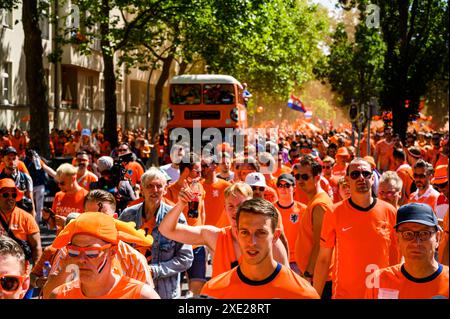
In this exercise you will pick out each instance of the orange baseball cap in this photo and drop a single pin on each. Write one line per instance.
(104, 227)
(9, 183)
(440, 175)
(371, 160)
(342, 151)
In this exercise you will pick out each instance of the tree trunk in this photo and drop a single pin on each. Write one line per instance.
(157, 106)
(110, 123)
(35, 75)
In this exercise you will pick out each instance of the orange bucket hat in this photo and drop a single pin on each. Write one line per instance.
(9, 183)
(440, 175)
(104, 227)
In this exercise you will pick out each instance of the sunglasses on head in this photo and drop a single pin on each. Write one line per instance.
(299, 176)
(90, 252)
(356, 174)
(260, 188)
(10, 283)
(7, 194)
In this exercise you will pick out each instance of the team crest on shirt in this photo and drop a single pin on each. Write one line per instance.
(215, 193)
(293, 218)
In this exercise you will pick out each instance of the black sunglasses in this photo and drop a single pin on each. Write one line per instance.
(355, 174)
(6, 195)
(10, 283)
(260, 188)
(284, 185)
(305, 177)
(419, 175)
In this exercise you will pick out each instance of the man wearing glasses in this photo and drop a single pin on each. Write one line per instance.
(291, 213)
(14, 280)
(420, 276)
(361, 234)
(91, 241)
(308, 241)
(15, 222)
(425, 193)
(134, 170)
(71, 197)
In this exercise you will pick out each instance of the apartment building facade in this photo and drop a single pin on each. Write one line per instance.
(75, 85)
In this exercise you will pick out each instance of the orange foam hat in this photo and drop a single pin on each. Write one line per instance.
(342, 151)
(9, 183)
(371, 161)
(104, 227)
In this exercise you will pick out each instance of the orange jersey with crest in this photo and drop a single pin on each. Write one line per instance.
(291, 217)
(283, 283)
(214, 200)
(126, 288)
(304, 243)
(430, 197)
(21, 223)
(396, 283)
(362, 238)
(86, 180)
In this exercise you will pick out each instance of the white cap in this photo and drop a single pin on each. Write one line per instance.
(256, 179)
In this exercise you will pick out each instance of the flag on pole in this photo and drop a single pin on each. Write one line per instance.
(295, 104)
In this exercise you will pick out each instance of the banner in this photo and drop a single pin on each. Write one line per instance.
(295, 104)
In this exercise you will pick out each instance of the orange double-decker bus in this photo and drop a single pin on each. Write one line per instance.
(208, 100)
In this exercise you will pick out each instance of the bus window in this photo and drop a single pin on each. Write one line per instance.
(185, 94)
(219, 94)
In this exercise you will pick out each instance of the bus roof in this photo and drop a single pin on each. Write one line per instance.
(204, 78)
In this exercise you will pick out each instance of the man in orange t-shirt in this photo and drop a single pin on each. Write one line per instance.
(259, 275)
(19, 142)
(84, 176)
(299, 193)
(71, 197)
(405, 172)
(96, 236)
(361, 234)
(420, 276)
(425, 193)
(214, 191)
(291, 213)
(307, 244)
(22, 224)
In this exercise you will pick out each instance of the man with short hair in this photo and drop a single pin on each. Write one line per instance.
(383, 151)
(14, 279)
(390, 189)
(166, 258)
(425, 193)
(307, 244)
(258, 275)
(420, 276)
(84, 176)
(360, 233)
(291, 213)
(22, 180)
(92, 241)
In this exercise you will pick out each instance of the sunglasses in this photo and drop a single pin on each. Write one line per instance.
(409, 235)
(90, 252)
(305, 177)
(419, 175)
(326, 167)
(260, 188)
(355, 174)
(6, 195)
(122, 150)
(10, 283)
(284, 185)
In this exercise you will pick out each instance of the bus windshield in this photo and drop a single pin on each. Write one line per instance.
(219, 94)
(185, 94)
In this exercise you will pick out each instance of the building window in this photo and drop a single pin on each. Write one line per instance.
(6, 83)
(6, 18)
(101, 95)
(89, 92)
(119, 102)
